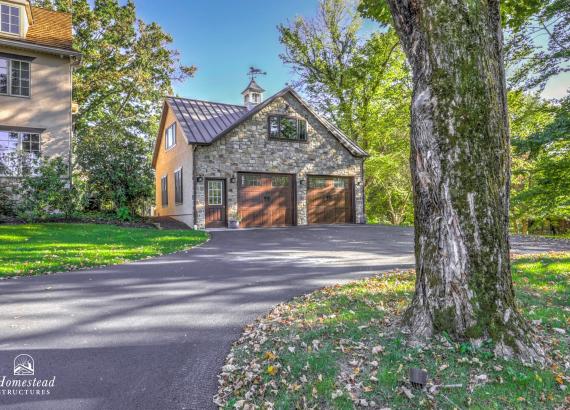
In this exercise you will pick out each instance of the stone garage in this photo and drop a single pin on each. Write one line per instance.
(266, 163)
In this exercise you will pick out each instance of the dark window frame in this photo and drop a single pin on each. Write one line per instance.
(290, 117)
(178, 187)
(164, 191)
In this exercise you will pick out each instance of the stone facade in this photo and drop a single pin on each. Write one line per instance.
(247, 148)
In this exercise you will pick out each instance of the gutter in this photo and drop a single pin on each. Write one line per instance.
(36, 47)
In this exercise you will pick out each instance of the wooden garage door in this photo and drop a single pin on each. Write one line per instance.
(265, 199)
(329, 200)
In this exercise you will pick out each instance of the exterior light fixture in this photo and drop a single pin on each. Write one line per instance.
(301, 182)
(199, 179)
(233, 180)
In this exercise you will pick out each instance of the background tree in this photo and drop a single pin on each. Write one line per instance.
(460, 171)
(364, 86)
(126, 69)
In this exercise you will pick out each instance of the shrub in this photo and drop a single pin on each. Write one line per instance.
(47, 191)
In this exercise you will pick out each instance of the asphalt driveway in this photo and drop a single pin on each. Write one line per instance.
(153, 334)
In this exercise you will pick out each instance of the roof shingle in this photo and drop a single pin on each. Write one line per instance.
(51, 28)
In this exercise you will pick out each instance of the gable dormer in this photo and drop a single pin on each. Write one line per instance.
(15, 18)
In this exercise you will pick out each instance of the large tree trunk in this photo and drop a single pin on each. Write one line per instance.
(460, 171)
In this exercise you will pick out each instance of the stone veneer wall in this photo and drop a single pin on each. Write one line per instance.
(248, 148)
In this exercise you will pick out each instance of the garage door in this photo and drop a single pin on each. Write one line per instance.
(329, 200)
(265, 199)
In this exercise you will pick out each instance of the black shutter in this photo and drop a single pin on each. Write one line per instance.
(164, 188)
(178, 193)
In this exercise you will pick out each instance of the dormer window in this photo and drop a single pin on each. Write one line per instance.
(9, 19)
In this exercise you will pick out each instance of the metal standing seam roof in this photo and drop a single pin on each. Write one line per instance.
(203, 121)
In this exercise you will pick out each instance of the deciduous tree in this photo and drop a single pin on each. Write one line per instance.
(461, 171)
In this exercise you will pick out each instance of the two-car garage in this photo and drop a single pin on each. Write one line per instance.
(266, 200)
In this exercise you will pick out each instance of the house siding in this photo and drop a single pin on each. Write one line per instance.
(49, 105)
(167, 162)
(247, 148)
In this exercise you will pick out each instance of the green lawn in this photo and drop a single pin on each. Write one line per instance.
(341, 348)
(42, 248)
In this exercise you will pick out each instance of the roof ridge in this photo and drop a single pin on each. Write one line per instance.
(206, 101)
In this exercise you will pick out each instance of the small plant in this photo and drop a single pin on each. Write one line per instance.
(124, 214)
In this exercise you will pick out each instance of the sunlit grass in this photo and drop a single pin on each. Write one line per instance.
(347, 322)
(42, 248)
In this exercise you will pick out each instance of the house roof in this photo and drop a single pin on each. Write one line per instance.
(253, 86)
(204, 122)
(49, 30)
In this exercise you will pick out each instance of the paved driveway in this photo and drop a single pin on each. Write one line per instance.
(153, 334)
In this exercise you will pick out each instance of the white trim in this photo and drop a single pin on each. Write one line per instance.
(36, 47)
(20, 20)
(166, 137)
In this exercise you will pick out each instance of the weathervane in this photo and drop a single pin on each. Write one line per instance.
(254, 72)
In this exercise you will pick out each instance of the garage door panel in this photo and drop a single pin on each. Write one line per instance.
(265, 199)
(329, 200)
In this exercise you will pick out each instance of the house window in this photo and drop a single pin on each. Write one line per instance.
(287, 128)
(9, 19)
(164, 190)
(170, 137)
(215, 193)
(340, 183)
(19, 152)
(178, 194)
(14, 77)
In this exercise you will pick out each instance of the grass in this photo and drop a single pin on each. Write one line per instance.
(341, 347)
(44, 248)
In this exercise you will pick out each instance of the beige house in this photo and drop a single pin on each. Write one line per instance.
(265, 163)
(36, 59)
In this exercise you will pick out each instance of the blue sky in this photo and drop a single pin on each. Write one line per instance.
(224, 37)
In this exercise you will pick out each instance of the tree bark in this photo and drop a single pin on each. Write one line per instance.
(460, 167)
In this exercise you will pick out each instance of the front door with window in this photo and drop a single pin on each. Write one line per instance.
(215, 203)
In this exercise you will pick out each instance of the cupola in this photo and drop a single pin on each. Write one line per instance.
(252, 95)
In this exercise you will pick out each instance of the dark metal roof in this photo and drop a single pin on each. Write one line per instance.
(253, 86)
(203, 121)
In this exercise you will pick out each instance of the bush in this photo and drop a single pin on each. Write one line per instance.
(47, 191)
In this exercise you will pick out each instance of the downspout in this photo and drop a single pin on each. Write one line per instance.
(194, 186)
(363, 191)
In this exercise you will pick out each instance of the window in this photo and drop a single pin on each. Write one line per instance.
(170, 137)
(164, 190)
(178, 194)
(9, 19)
(317, 182)
(14, 77)
(251, 180)
(340, 183)
(215, 193)
(280, 181)
(19, 152)
(288, 128)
